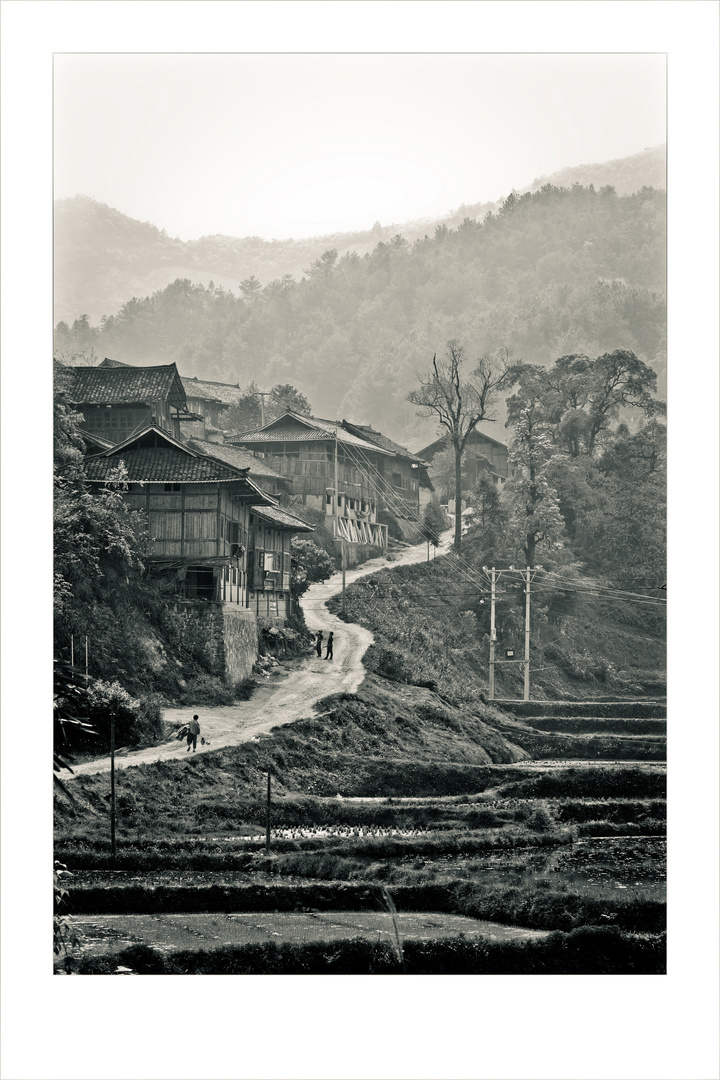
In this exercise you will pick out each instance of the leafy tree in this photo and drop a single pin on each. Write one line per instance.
(531, 502)
(442, 472)
(250, 288)
(309, 564)
(486, 534)
(246, 415)
(286, 398)
(324, 265)
(628, 526)
(435, 521)
(458, 403)
(100, 544)
(579, 398)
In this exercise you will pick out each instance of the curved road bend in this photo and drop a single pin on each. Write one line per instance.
(281, 700)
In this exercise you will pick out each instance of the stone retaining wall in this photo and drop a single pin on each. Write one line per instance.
(224, 635)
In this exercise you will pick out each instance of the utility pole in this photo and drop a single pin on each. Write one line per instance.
(335, 489)
(267, 817)
(526, 681)
(262, 394)
(494, 575)
(112, 784)
(491, 684)
(336, 503)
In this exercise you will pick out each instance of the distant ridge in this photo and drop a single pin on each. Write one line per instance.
(626, 175)
(103, 258)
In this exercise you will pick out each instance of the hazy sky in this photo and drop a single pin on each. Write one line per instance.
(299, 144)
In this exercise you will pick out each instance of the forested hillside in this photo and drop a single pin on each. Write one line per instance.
(103, 257)
(552, 273)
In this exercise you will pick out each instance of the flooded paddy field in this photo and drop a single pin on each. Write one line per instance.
(629, 864)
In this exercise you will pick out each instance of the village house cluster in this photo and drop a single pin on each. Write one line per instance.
(223, 507)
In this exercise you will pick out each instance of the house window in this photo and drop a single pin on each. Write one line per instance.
(172, 487)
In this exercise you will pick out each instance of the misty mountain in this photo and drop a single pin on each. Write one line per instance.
(558, 271)
(103, 258)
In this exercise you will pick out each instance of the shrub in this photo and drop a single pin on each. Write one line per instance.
(148, 727)
(393, 528)
(206, 689)
(107, 702)
(309, 563)
(244, 690)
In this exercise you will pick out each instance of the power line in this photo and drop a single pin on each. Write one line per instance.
(380, 480)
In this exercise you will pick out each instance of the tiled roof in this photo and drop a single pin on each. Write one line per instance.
(383, 441)
(96, 441)
(227, 393)
(126, 385)
(161, 464)
(236, 456)
(108, 363)
(292, 428)
(282, 519)
(475, 435)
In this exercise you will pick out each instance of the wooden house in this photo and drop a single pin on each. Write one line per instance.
(205, 520)
(261, 473)
(401, 477)
(483, 456)
(208, 399)
(373, 473)
(116, 399)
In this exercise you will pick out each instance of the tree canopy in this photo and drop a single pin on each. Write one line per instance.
(458, 401)
(561, 272)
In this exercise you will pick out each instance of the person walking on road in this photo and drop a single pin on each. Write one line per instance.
(193, 732)
(329, 652)
(318, 643)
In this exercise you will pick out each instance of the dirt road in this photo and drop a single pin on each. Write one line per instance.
(286, 697)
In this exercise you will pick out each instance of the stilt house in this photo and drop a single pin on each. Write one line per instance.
(213, 532)
(373, 473)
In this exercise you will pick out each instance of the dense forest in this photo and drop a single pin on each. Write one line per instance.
(557, 272)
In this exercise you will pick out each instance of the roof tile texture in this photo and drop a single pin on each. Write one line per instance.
(126, 385)
(158, 465)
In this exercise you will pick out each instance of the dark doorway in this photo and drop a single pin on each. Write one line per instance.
(200, 583)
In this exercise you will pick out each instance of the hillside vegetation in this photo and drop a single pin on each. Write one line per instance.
(560, 271)
(103, 257)
(431, 627)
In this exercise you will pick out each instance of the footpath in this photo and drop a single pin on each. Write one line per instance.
(286, 697)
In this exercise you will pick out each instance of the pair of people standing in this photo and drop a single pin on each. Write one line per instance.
(329, 648)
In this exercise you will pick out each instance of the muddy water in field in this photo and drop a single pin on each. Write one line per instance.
(627, 864)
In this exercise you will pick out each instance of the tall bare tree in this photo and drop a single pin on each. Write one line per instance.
(459, 402)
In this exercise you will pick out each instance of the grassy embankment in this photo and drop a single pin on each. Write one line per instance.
(431, 629)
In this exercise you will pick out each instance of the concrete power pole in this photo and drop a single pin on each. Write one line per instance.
(494, 576)
(491, 686)
(526, 680)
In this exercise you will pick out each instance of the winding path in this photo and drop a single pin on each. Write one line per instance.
(294, 691)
